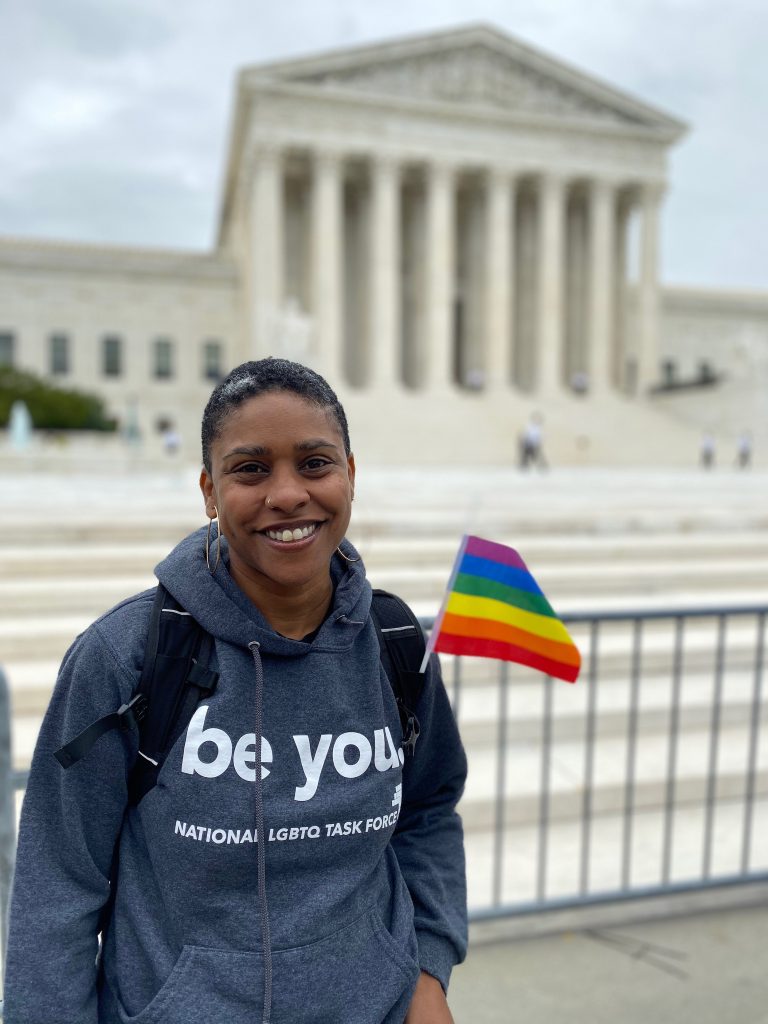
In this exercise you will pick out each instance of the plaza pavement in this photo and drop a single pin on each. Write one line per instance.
(700, 968)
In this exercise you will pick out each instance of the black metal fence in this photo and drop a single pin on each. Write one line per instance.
(649, 776)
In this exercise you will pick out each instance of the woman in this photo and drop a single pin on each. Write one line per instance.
(349, 911)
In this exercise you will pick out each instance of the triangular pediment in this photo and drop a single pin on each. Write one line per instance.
(472, 76)
(476, 68)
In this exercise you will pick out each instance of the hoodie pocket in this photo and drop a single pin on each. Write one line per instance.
(357, 975)
(204, 985)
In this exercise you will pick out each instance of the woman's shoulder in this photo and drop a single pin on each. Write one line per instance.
(128, 615)
(120, 634)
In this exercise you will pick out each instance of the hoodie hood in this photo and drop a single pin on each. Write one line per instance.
(224, 611)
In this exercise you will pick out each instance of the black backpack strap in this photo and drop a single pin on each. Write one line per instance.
(174, 679)
(402, 646)
(128, 716)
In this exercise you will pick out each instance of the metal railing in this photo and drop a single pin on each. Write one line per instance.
(646, 777)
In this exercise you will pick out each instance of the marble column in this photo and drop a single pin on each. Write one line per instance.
(440, 231)
(648, 287)
(551, 258)
(602, 224)
(384, 273)
(266, 242)
(621, 353)
(500, 274)
(327, 277)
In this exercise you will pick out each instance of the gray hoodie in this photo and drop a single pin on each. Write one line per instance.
(361, 881)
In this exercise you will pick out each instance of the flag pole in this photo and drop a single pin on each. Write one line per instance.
(439, 620)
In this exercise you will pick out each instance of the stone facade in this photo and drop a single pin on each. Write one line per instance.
(160, 315)
(719, 333)
(448, 211)
(439, 224)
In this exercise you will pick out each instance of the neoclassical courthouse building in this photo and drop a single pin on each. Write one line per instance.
(455, 228)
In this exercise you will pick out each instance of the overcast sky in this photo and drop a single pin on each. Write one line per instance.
(114, 113)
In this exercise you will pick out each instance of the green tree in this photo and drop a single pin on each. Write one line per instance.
(51, 408)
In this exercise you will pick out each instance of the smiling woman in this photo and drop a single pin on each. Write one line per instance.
(287, 861)
(279, 477)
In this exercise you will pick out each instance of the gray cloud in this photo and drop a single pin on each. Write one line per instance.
(88, 28)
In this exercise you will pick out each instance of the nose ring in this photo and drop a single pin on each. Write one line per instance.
(268, 502)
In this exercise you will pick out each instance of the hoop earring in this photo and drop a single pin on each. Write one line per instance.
(346, 557)
(208, 543)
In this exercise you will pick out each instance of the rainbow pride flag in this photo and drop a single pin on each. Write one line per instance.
(494, 608)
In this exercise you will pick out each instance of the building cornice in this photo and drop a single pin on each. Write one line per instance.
(723, 301)
(542, 122)
(75, 257)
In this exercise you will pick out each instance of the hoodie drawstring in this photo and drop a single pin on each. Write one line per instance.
(253, 647)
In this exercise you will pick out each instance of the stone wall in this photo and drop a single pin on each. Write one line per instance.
(86, 293)
(726, 330)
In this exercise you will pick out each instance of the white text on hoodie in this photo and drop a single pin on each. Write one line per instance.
(383, 753)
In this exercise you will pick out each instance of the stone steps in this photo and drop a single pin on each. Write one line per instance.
(478, 705)
(23, 638)
(82, 561)
(19, 557)
(153, 537)
(540, 516)
(567, 773)
(520, 849)
(91, 596)
(568, 588)
(406, 502)
(479, 811)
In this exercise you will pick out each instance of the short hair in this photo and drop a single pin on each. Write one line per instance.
(260, 377)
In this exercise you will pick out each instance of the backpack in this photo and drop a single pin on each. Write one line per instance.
(176, 677)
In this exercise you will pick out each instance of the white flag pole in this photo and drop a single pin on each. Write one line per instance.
(439, 620)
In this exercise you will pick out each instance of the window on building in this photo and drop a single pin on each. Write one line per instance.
(7, 340)
(58, 346)
(668, 373)
(707, 373)
(212, 361)
(112, 352)
(163, 359)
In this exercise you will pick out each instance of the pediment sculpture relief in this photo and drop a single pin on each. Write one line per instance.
(474, 76)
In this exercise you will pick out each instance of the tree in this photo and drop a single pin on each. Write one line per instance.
(51, 408)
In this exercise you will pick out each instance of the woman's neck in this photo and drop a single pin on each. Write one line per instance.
(292, 613)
